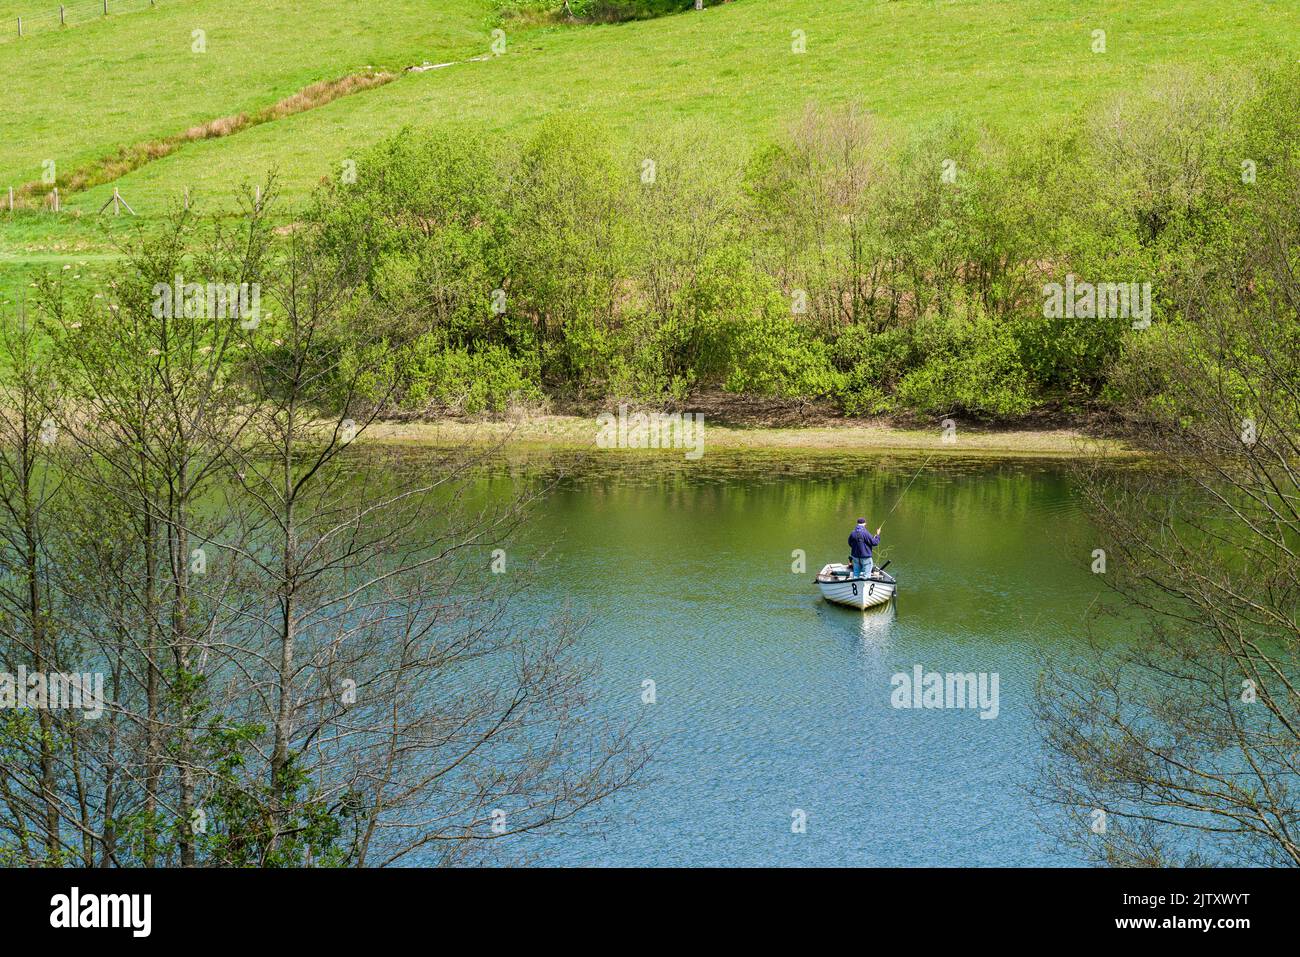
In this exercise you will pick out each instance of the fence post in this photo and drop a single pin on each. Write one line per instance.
(11, 199)
(63, 22)
(105, 7)
(56, 199)
(20, 26)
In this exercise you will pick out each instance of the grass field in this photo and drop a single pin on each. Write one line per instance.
(78, 94)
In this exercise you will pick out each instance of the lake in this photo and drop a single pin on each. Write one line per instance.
(779, 742)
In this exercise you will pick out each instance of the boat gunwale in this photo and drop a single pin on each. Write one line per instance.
(886, 578)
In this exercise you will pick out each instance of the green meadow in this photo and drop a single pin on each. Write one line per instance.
(77, 94)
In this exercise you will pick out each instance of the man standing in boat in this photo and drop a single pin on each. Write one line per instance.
(861, 542)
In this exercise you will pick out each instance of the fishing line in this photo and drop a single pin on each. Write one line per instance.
(908, 486)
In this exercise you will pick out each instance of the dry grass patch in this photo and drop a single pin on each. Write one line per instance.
(131, 158)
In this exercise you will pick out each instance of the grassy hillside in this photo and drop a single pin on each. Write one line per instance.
(77, 94)
(732, 68)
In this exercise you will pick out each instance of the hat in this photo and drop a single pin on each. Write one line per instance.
(862, 521)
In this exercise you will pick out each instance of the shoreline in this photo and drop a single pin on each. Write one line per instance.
(578, 433)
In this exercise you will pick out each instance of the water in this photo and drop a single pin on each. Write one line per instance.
(772, 702)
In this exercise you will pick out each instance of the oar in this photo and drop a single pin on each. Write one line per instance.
(895, 599)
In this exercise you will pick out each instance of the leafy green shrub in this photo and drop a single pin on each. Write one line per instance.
(568, 248)
(1155, 155)
(968, 366)
(454, 379)
(426, 221)
(774, 355)
(872, 363)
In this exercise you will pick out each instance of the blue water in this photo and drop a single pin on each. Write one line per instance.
(771, 701)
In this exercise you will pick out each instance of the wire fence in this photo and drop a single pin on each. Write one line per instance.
(21, 25)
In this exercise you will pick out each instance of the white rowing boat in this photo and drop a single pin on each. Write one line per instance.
(840, 586)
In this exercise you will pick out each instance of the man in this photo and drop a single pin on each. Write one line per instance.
(861, 542)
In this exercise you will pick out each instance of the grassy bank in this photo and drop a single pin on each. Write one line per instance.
(570, 432)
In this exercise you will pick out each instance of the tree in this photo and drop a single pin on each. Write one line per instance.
(1184, 747)
(409, 713)
(29, 633)
(312, 658)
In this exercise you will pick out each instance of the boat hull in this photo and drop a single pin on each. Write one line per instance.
(859, 593)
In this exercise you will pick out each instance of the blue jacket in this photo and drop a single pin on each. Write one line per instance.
(861, 542)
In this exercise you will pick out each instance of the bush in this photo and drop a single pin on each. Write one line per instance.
(440, 378)
(426, 219)
(872, 362)
(969, 367)
(773, 355)
(568, 249)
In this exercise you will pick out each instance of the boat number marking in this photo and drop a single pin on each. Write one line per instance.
(855, 589)
(871, 589)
